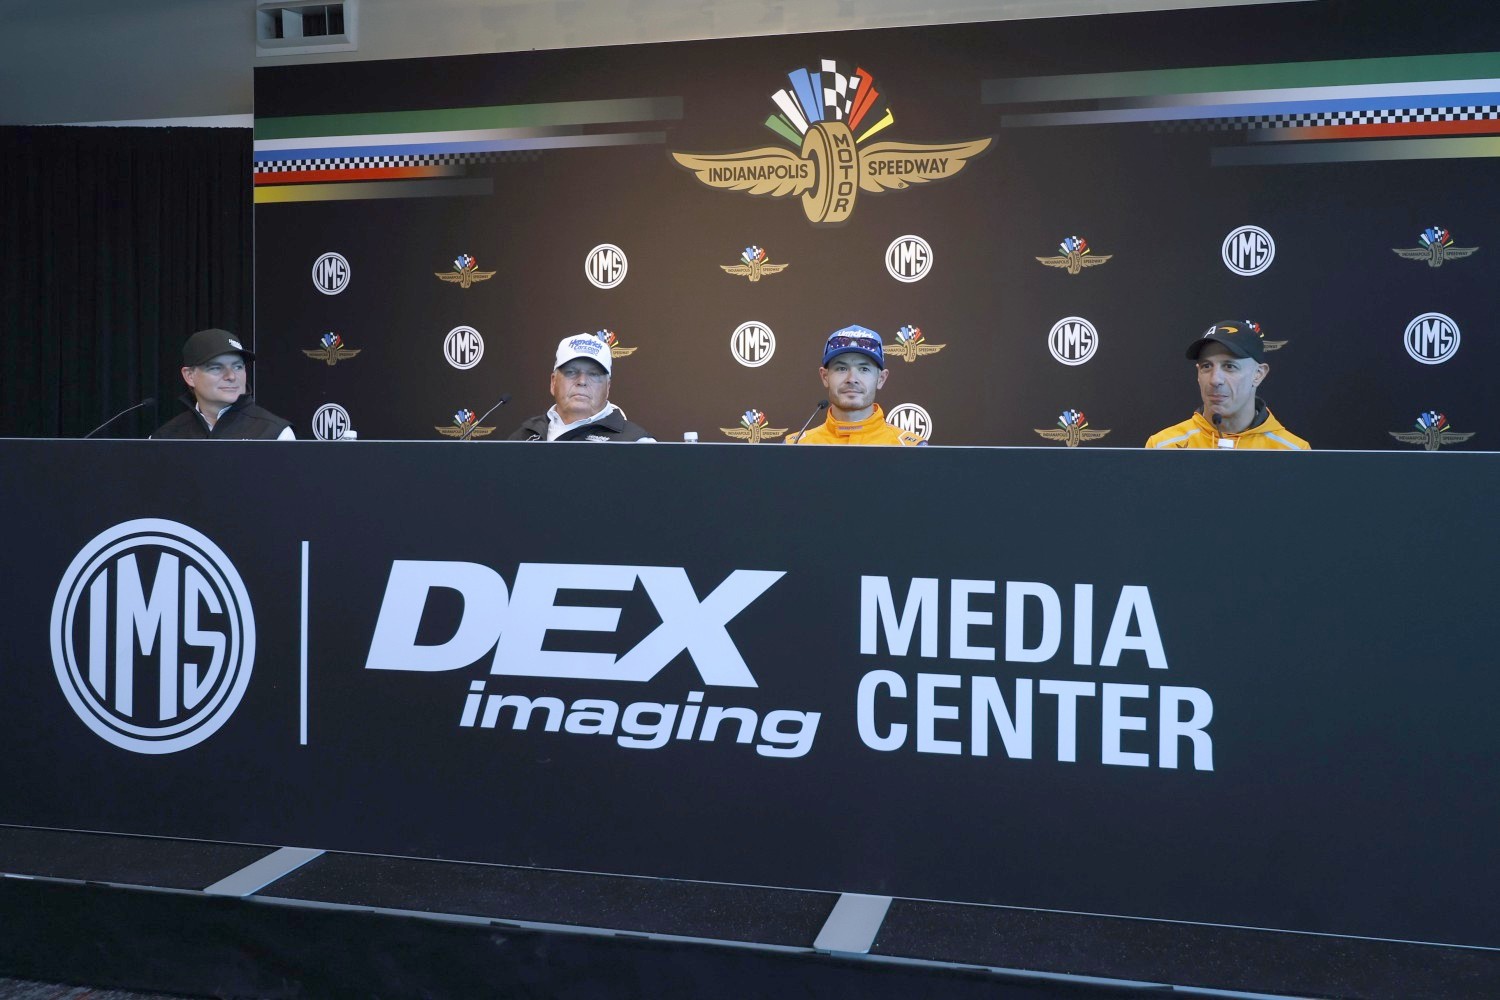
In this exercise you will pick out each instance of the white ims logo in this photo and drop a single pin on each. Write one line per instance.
(1073, 340)
(605, 266)
(153, 637)
(908, 258)
(911, 418)
(752, 344)
(1432, 338)
(331, 422)
(331, 273)
(1248, 250)
(463, 347)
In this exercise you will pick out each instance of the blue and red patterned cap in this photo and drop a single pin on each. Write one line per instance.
(856, 338)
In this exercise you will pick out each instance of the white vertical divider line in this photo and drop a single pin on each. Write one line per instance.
(303, 687)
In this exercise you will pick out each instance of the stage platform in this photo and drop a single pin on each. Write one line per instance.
(235, 920)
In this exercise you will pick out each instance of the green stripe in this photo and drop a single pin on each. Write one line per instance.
(635, 109)
(1209, 79)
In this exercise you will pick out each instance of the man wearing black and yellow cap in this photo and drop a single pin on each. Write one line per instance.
(220, 407)
(853, 371)
(1230, 360)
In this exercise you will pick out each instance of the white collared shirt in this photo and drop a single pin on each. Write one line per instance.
(556, 428)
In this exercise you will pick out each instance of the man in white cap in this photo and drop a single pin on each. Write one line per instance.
(581, 409)
(220, 407)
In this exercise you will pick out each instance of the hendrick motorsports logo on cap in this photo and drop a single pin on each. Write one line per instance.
(826, 116)
(153, 637)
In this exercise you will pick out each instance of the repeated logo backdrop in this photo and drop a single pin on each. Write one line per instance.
(1038, 216)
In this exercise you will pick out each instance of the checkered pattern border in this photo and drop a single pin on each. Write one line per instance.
(412, 160)
(1473, 112)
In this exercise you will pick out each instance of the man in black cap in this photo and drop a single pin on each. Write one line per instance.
(213, 366)
(1230, 359)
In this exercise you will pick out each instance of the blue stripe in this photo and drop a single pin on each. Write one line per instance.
(812, 107)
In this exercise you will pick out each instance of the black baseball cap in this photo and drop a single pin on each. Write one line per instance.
(1240, 336)
(206, 344)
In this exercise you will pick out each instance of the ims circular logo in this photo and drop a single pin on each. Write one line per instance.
(1432, 338)
(605, 266)
(752, 344)
(911, 418)
(1073, 340)
(330, 273)
(908, 258)
(331, 422)
(463, 347)
(1248, 250)
(153, 637)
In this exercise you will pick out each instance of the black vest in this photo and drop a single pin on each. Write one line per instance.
(241, 421)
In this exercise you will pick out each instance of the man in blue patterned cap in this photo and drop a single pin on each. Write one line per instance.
(853, 371)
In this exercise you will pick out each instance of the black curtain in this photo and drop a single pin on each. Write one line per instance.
(115, 244)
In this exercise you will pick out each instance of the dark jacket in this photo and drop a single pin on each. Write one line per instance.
(611, 427)
(242, 420)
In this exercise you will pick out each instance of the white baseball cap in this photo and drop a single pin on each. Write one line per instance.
(583, 345)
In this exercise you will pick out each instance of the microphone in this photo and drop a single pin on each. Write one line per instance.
(504, 398)
(822, 405)
(1218, 419)
(148, 401)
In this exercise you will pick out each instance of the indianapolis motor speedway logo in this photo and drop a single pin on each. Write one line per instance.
(911, 345)
(1432, 432)
(753, 428)
(827, 116)
(331, 349)
(463, 420)
(754, 264)
(465, 272)
(153, 636)
(1435, 246)
(1074, 255)
(1072, 429)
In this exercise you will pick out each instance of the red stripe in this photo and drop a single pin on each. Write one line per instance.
(1378, 130)
(360, 174)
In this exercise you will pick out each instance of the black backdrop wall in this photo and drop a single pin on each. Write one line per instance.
(1347, 134)
(115, 244)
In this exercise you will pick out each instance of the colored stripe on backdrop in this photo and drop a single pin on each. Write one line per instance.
(372, 190)
(1356, 152)
(505, 116)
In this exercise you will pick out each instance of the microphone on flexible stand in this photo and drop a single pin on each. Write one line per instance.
(822, 405)
(505, 398)
(148, 401)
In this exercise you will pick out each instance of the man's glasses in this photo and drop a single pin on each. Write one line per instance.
(863, 343)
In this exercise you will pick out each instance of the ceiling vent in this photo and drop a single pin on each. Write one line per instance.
(289, 27)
